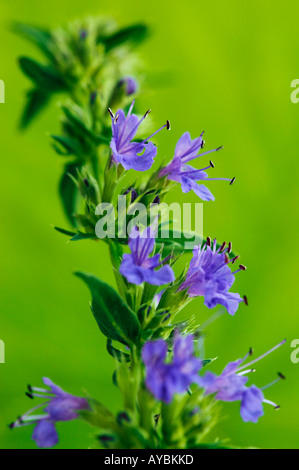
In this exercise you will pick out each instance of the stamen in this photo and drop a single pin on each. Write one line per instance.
(131, 108)
(233, 260)
(116, 118)
(37, 389)
(214, 244)
(233, 180)
(269, 402)
(168, 125)
(203, 143)
(248, 371)
(147, 113)
(217, 179)
(165, 125)
(263, 355)
(229, 248)
(29, 395)
(185, 159)
(280, 377)
(222, 247)
(209, 241)
(212, 164)
(242, 267)
(111, 113)
(245, 300)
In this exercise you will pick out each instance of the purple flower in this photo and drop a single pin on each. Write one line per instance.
(231, 386)
(178, 170)
(227, 386)
(138, 156)
(60, 406)
(210, 276)
(138, 267)
(165, 379)
(130, 85)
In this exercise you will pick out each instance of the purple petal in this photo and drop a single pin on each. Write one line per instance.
(154, 352)
(229, 300)
(203, 192)
(133, 273)
(186, 147)
(208, 382)
(165, 275)
(143, 162)
(55, 389)
(64, 409)
(252, 404)
(45, 434)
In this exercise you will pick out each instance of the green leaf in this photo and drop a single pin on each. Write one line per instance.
(68, 191)
(41, 38)
(114, 318)
(36, 101)
(135, 33)
(80, 127)
(76, 236)
(177, 241)
(66, 145)
(43, 76)
(65, 232)
(83, 236)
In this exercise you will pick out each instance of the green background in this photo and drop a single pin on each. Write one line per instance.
(225, 68)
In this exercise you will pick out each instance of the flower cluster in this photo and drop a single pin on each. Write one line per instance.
(164, 379)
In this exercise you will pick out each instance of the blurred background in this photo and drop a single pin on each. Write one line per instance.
(222, 68)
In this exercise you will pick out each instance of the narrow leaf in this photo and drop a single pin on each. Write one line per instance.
(41, 38)
(135, 33)
(43, 76)
(36, 101)
(68, 191)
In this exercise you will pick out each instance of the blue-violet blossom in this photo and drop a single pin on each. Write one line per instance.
(131, 155)
(230, 385)
(138, 267)
(177, 170)
(165, 379)
(210, 276)
(60, 406)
